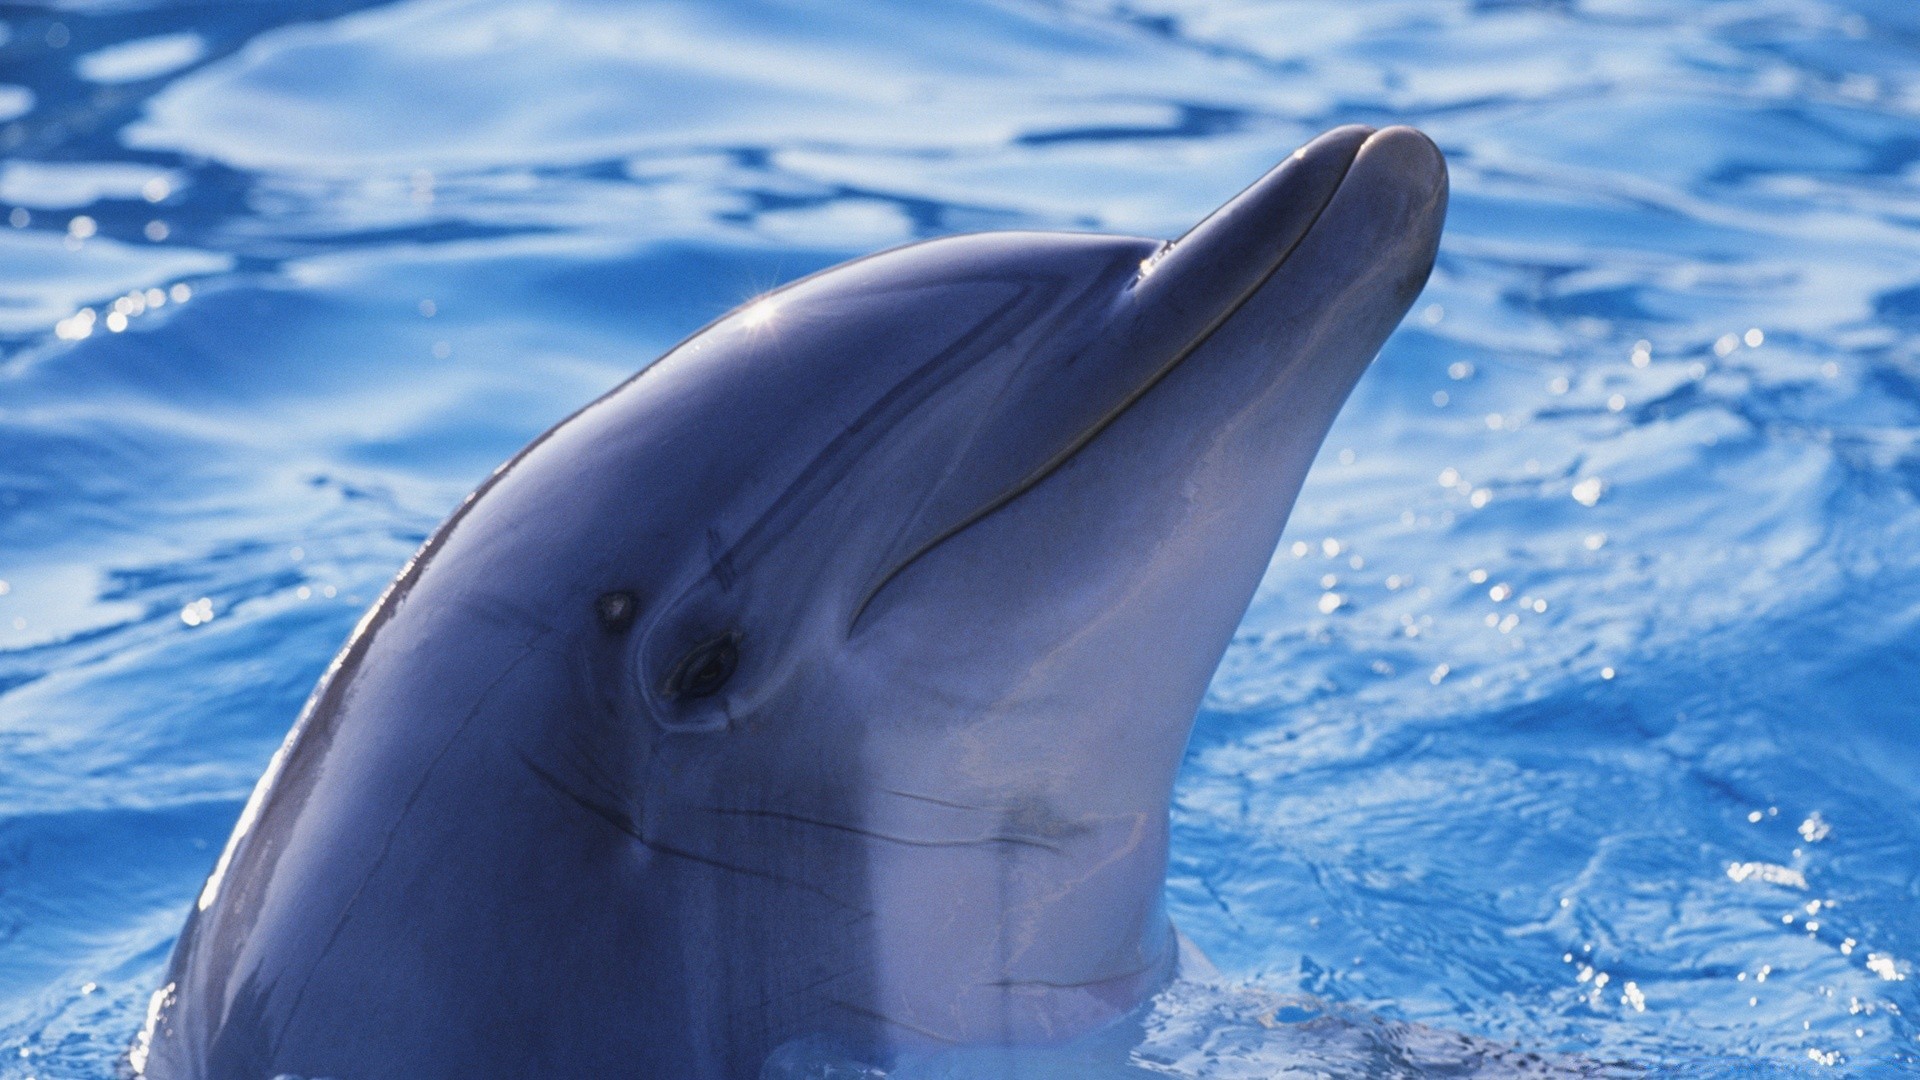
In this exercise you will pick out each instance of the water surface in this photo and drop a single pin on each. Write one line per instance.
(1577, 713)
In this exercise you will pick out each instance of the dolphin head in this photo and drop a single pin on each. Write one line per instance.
(893, 594)
(923, 564)
(933, 555)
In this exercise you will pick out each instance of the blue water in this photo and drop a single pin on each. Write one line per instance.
(1580, 711)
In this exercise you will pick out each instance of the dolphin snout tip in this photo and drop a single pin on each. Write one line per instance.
(1398, 158)
(1406, 156)
(1392, 202)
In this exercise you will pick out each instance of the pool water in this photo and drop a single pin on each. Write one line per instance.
(1579, 713)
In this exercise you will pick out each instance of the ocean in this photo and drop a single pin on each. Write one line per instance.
(1579, 711)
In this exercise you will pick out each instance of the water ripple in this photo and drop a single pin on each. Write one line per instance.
(1574, 718)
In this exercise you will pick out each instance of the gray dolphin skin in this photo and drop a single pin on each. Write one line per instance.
(826, 680)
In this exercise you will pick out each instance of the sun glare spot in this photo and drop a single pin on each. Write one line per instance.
(1771, 873)
(761, 313)
(198, 612)
(1152, 262)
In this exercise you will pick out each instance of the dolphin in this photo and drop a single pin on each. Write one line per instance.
(825, 680)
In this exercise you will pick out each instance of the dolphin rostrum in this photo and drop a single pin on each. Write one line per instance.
(827, 679)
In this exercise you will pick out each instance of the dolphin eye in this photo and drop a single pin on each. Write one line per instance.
(705, 669)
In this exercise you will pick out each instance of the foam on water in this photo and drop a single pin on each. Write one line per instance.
(1576, 717)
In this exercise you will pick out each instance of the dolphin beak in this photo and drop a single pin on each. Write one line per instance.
(1292, 285)
(1193, 285)
(1341, 239)
(1236, 248)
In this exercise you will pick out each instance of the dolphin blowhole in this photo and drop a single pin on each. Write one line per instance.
(826, 679)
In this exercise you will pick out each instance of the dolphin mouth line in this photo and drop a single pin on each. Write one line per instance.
(1092, 431)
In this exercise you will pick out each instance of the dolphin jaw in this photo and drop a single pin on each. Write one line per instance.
(1246, 336)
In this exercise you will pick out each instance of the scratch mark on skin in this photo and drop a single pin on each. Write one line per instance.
(778, 879)
(608, 814)
(625, 825)
(386, 845)
(1076, 984)
(873, 1014)
(768, 1000)
(720, 558)
(937, 802)
(1137, 836)
(979, 841)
